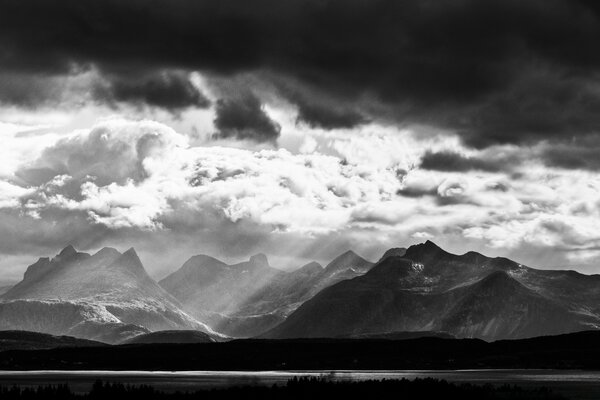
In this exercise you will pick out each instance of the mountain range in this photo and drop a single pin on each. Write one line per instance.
(469, 295)
(107, 296)
(420, 291)
(246, 299)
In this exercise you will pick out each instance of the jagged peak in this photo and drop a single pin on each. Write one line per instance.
(130, 263)
(131, 253)
(260, 260)
(129, 260)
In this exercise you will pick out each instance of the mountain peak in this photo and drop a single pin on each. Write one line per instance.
(430, 244)
(349, 259)
(260, 260)
(420, 251)
(131, 253)
(349, 253)
(67, 251)
(107, 251)
(129, 260)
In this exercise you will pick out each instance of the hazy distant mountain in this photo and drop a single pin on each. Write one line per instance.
(470, 295)
(249, 298)
(107, 296)
(185, 336)
(23, 340)
(213, 291)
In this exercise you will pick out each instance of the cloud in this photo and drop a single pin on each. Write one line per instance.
(170, 90)
(325, 117)
(450, 161)
(580, 154)
(494, 72)
(141, 182)
(245, 118)
(112, 152)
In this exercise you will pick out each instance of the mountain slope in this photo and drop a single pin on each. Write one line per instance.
(105, 296)
(429, 289)
(249, 298)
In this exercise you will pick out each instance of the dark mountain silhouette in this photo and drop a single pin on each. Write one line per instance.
(107, 296)
(24, 340)
(469, 295)
(580, 350)
(182, 336)
(249, 298)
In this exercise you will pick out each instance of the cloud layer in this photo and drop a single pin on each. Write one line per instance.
(492, 71)
(301, 127)
(133, 179)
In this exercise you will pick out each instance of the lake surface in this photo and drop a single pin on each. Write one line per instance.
(577, 385)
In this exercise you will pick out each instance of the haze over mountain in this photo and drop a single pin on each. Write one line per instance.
(469, 295)
(422, 290)
(107, 296)
(248, 298)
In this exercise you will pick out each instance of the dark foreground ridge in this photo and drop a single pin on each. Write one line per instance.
(25, 340)
(571, 351)
(303, 388)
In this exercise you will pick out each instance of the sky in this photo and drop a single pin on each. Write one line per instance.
(300, 129)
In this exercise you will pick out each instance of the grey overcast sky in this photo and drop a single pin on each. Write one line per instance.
(300, 129)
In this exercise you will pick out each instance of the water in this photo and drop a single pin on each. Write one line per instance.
(574, 384)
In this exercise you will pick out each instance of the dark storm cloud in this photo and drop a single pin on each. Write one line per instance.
(244, 118)
(28, 91)
(573, 155)
(169, 90)
(450, 161)
(495, 71)
(415, 192)
(326, 116)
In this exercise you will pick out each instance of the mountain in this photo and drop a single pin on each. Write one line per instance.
(213, 291)
(393, 252)
(249, 298)
(107, 296)
(574, 351)
(23, 340)
(171, 337)
(4, 289)
(469, 295)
